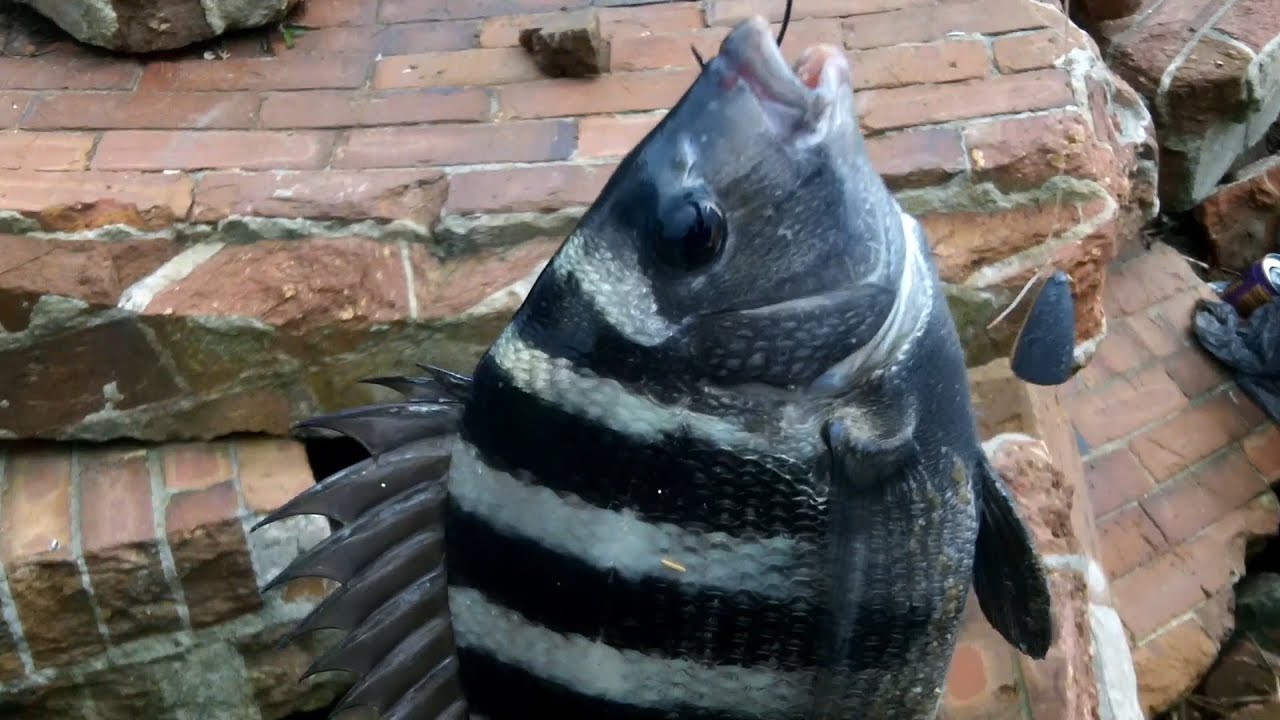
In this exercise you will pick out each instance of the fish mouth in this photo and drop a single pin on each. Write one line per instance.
(793, 99)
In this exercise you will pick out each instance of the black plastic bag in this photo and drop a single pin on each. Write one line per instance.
(1250, 347)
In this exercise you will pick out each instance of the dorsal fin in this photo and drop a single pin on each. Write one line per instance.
(388, 554)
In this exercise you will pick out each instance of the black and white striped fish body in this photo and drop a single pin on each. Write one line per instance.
(721, 463)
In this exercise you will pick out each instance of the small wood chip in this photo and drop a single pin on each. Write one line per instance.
(674, 565)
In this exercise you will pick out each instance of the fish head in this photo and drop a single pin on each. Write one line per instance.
(746, 222)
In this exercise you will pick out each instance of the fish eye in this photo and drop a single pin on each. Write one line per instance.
(692, 235)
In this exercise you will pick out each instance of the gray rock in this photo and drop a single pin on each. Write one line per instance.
(143, 26)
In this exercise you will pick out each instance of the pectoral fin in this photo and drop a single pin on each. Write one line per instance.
(1009, 579)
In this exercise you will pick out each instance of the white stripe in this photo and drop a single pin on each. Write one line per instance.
(607, 402)
(596, 669)
(619, 540)
(617, 288)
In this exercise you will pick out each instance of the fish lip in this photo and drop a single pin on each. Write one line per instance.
(795, 98)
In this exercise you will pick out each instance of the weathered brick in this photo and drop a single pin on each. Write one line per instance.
(936, 62)
(1195, 371)
(272, 471)
(1029, 51)
(980, 673)
(1167, 662)
(650, 19)
(917, 158)
(731, 12)
(52, 603)
(44, 150)
(390, 147)
(1252, 22)
(1128, 539)
(412, 194)
(195, 466)
(398, 11)
(323, 13)
(293, 71)
(211, 555)
(212, 149)
(1150, 278)
(133, 111)
(1159, 337)
(120, 549)
(935, 21)
(609, 136)
(1126, 406)
(893, 108)
(1191, 503)
(422, 37)
(1120, 353)
(448, 289)
(1191, 436)
(1020, 154)
(335, 39)
(336, 108)
(1114, 480)
(11, 667)
(161, 198)
(1142, 55)
(460, 68)
(61, 73)
(630, 53)
(13, 105)
(1263, 448)
(625, 92)
(526, 189)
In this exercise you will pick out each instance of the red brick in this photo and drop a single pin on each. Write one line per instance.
(385, 195)
(625, 92)
(1158, 337)
(609, 136)
(1154, 594)
(119, 538)
(917, 158)
(1191, 436)
(272, 472)
(195, 466)
(448, 289)
(12, 107)
(337, 39)
(1195, 371)
(1114, 480)
(162, 197)
(60, 73)
(293, 71)
(731, 12)
(1024, 153)
(1125, 407)
(115, 499)
(457, 144)
(629, 53)
(460, 68)
(398, 11)
(44, 151)
(211, 555)
(1147, 280)
(35, 505)
(1168, 663)
(212, 149)
(36, 547)
(408, 38)
(1128, 540)
(934, 22)
(526, 189)
(323, 13)
(1252, 22)
(133, 111)
(1263, 449)
(1120, 352)
(937, 62)
(894, 108)
(1186, 506)
(650, 19)
(336, 108)
(1029, 51)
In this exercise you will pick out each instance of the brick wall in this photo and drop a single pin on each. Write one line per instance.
(122, 565)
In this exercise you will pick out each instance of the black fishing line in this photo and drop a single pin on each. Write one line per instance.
(786, 21)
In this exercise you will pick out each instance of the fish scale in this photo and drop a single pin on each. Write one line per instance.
(721, 464)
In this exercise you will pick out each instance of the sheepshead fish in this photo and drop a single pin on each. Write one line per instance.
(722, 463)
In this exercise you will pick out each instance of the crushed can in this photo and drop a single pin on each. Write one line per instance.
(1256, 286)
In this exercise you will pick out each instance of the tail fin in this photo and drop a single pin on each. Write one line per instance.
(388, 554)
